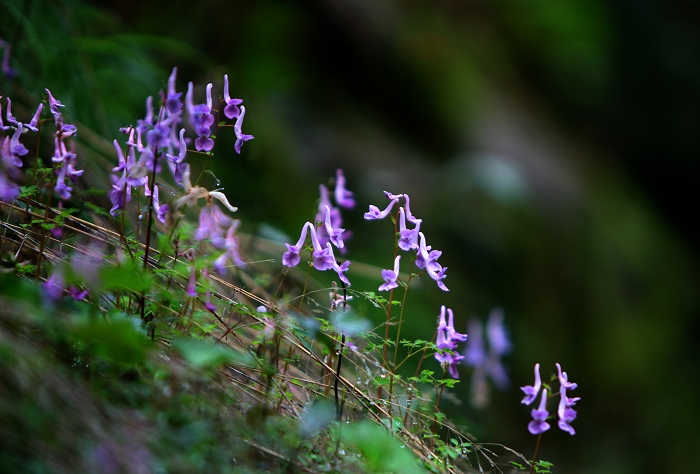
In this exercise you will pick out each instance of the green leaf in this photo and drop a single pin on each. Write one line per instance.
(129, 276)
(381, 451)
(203, 355)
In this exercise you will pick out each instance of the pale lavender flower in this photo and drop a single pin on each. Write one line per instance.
(499, 342)
(16, 147)
(531, 391)
(475, 352)
(564, 379)
(212, 222)
(374, 213)
(240, 136)
(390, 276)
(539, 423)
(8, 190)
(232, 245)
(343, 197)
(53, 287)
(231, 109)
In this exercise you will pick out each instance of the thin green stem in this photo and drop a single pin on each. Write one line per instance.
(534, 456)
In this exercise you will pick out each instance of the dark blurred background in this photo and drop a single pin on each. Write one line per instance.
(551, 148)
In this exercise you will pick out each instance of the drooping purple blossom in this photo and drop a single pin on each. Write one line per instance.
(539, 423)
(322, 258)
(335, 235)
(240, 136)
(391, 276)
(292, 257)
(564, 379)
(33, 124)
(497, 334)
(212, 225)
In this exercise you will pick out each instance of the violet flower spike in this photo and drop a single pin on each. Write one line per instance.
(343, 197)
(240, 136)
(531, 391)
(16, 148)
(452, 334)
(539, 424)
(374, 213)
(231, 110)
(475, 353)
(176, 163)
(390, 276)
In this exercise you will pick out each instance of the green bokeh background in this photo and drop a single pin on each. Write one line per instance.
(550, 147)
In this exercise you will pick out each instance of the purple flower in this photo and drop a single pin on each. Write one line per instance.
(390, 276)
(499, 343)
(374, 213)
(8, 190)
(33, 124)
(291, 257)
(531, 391)
(11, 118)
(161, 211)
(232, 245)
(334, 235)
(565, 411)
(16, 148)
(212, 222)
(539, 423)
(343, 197)
(201, 119)
(53, 287)
(175, 163)
(231, 110)
(9, 72)
(447, 339)
(475, 352)
(240, 136)
(408, 238)
(172, 100)
(428, 261)
(564, 379)
(192, 282)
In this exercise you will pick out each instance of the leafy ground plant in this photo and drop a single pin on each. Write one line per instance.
(143, 332)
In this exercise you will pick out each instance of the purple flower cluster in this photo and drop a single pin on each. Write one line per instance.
(328, 234)
(565, 411)
(12, 150)
(487, 363)
(447, 339)
(409, 239)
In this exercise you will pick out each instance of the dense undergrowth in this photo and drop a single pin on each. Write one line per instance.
(140, 331)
